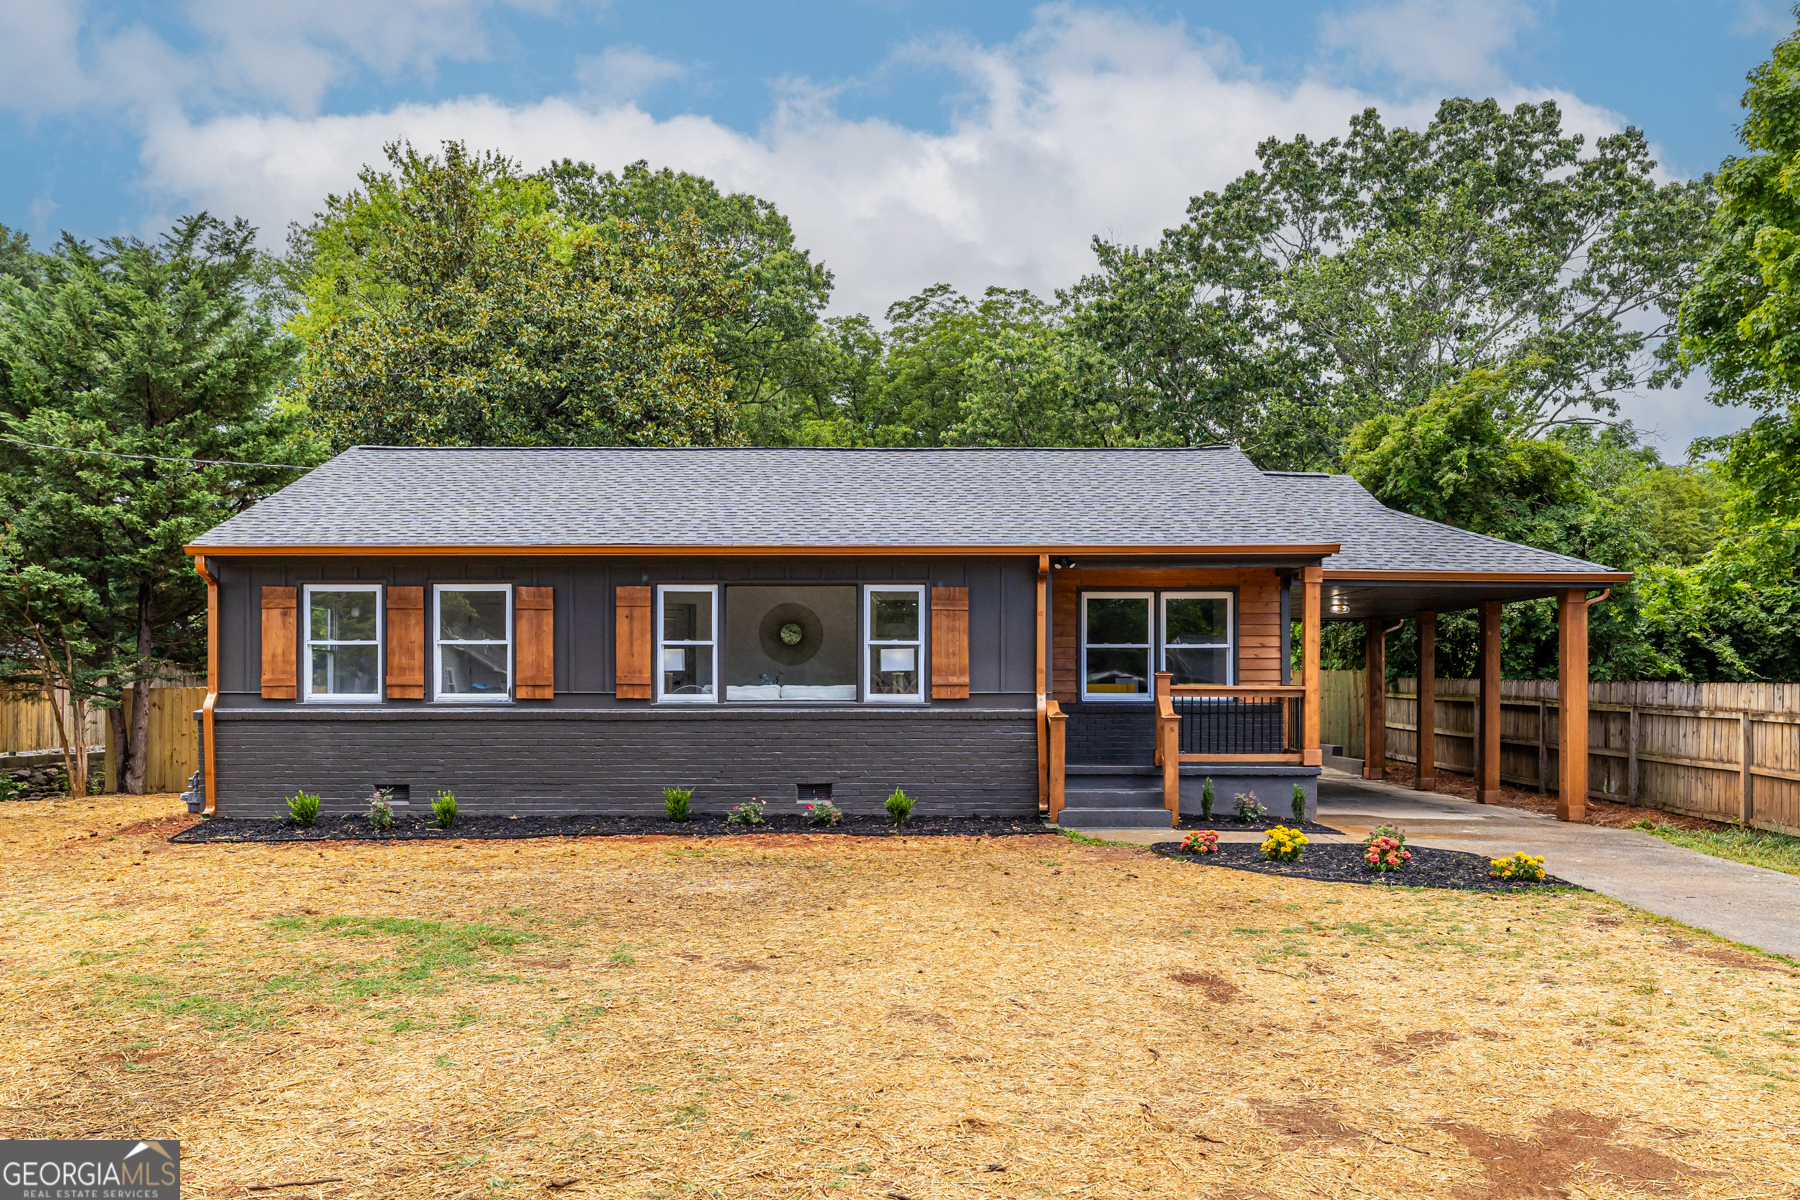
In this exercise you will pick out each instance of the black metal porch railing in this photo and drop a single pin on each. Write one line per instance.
(1233, 725)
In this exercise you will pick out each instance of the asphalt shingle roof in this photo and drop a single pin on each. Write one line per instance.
(802, 497)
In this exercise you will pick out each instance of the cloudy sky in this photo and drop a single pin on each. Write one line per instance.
(910, 141)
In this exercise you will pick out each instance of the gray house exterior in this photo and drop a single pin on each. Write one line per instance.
(1000, 632)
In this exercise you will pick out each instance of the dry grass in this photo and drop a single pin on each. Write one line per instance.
(786, 1016)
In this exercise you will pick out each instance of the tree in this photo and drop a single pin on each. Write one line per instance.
(1357, 276)
(130, 355)
(452, 303)
(1742, 318)
(769, 344)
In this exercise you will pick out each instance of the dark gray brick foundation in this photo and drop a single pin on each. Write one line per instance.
(517, 761)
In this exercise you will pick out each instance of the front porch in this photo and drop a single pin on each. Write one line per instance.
(1134, 719)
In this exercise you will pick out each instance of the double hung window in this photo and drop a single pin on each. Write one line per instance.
(1115, 645)
(1197, 636)
(343, 642)
(687, 646)
(472, 641)
(894, 658)
(1128, 636)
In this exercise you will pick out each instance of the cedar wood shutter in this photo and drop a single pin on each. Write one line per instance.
(534, 627)
(949, 643)
(632, 669)
(280, 642)
(406, 643)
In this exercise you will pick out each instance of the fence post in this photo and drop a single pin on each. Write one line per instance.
(1631, 763)
(1543, 749)
(1746, 782)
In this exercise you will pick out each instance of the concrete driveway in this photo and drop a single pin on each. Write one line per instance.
(1747, 904)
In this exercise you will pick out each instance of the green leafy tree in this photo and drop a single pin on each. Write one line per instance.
(1357, 276)
(451, 302)
(156, 350)
(1742, 318)
(769, 343)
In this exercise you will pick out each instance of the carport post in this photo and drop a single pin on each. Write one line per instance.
(1487, 717)
(1375, 724)
(1426, 721)
(1572, 704)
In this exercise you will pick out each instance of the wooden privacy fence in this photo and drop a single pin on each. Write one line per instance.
(174, 752)
(29, 724)
(1725, 751)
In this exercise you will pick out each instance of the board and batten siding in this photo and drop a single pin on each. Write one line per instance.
(1001, 615)
(1259, 633)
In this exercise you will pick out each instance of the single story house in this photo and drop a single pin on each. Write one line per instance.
(998, 631)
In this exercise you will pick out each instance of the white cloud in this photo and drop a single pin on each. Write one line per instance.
(1424, 42)
(1759, 20)
(55, 58)
(622, 74)
(1089, 123)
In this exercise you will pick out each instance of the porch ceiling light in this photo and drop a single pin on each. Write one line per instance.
(1339, 605)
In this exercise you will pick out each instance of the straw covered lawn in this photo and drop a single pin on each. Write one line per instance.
(930, 1017)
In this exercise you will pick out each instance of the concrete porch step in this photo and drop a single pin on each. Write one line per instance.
(1087, 797)
(1114, 818)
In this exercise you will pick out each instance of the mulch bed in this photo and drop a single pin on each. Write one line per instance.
(1225, 823)
(423, 829)
(1337, 862)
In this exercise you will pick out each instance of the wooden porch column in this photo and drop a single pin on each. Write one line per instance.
(1426, 722)
(1572, 704)
(1375, 724)
(1043, 678)
(1487, 717)
(1310, 618)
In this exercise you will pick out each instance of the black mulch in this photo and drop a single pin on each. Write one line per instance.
(1223, 823)
(1339, 862)
(406, 829)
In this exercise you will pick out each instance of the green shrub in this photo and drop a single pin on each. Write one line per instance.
(746, 814)
(381, 813)
(824, 812)
(304, 808)
(1299, 804)
(675, 803)
(444, 809)
(1206, 799)
(899, 806)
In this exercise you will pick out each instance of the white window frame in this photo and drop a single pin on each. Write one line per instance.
(870, 641)
(438, 644)
(307, 643)
(1229, 645)
(1149, 647)
(713, 644)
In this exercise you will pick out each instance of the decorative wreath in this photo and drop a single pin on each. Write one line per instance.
(791, 633)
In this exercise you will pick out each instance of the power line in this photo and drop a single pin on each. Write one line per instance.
(210, 462)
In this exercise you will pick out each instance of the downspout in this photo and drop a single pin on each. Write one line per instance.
(208, 751)
(1593, 600)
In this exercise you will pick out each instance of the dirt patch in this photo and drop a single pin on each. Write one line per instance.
(1305, 1120)
(1212, 985)
(920, 1016)
(1725, 956)
(1420, 1042)
(1566, 1139)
